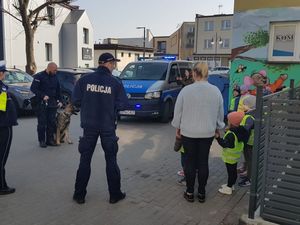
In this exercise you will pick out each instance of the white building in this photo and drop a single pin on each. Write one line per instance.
(125, 53)
(137, 42)
(65, 38)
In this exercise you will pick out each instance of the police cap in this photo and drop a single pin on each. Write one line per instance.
(2, 66)
(107, 57)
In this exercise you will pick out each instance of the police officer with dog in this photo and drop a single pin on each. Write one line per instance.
(47, 90)
(100, 96)
(8, 119)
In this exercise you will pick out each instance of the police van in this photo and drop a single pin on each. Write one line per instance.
(152, 87)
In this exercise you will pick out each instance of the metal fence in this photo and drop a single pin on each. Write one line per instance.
(275, 188)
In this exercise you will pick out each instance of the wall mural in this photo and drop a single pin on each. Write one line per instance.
(253, 62)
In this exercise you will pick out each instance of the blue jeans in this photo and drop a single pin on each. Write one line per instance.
(86, 148)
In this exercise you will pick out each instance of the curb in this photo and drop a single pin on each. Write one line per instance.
(244, 220)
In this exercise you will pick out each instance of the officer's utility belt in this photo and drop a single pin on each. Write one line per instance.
(3, 101)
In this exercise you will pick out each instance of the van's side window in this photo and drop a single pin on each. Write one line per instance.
(173, 73)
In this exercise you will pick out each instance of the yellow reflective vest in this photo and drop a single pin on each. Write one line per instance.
(3, 101)
(232, 155)
(243, 123)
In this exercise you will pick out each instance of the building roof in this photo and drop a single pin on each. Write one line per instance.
(120, 47)
(74, 16)
(218, 15)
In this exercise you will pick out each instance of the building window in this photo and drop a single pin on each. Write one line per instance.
(122, 54)
(209, 26)
(207, 44)
(225, 43)
(284, 43)
(191, 29)
(162, 46)
(85, 35)
(226, 25)
(190, 43)
(129, 54)
(51, 15)
(48, 50)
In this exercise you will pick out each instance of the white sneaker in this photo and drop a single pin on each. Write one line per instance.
(226, 190)
(225, 185)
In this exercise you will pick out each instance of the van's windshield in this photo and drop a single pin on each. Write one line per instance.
(144, 71)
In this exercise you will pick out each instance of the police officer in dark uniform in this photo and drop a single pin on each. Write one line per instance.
(47, 90)
(8, 118)
(100, 96)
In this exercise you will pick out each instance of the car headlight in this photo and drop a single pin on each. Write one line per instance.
(151, 95)
(22, 92)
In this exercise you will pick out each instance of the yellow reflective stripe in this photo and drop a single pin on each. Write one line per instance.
(251, 138)
(243, 123)
(3, 101)
(232, 103)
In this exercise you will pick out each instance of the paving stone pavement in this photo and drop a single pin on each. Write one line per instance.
(44, 179)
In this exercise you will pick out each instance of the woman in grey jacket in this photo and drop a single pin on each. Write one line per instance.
(198, 115)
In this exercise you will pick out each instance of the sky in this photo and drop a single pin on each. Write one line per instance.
(119, 18)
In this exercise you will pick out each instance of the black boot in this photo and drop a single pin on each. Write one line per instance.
(7, 191)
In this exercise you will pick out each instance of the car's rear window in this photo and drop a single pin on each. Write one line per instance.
(15, 77)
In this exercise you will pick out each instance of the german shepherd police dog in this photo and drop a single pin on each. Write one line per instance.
(63, 120)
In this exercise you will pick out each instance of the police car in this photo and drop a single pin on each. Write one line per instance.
(152, 87)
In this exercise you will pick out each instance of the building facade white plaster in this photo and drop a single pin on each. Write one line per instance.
(61, 42)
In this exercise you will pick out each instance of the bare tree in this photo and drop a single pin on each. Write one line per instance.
(31, 19)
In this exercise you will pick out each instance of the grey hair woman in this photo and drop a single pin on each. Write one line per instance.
(198, 115)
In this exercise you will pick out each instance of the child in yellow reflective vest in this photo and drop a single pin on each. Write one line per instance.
(234, 103)
(248, 123)
(233, 145)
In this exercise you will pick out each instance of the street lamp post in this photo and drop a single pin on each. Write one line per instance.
(216, 42)
(144, 40)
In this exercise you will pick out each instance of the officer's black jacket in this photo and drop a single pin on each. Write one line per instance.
(45, 84)
(9, 117)
(100, 96)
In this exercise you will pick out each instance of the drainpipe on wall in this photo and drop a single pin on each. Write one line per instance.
(2, 44)
(196, 38)
(116, 56)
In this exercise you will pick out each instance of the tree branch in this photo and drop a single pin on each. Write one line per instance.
(13, 16)
(47, 3)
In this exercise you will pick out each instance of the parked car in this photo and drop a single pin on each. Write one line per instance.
(67, 78)
(19, 83)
